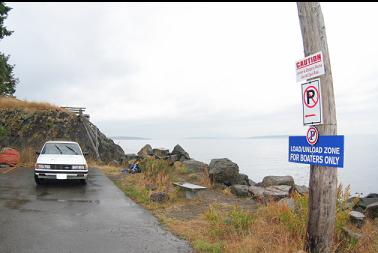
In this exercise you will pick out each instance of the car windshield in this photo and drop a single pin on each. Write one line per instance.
(61, 149)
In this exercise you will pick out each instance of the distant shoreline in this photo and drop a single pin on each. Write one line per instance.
(202, 138)
(128, 138)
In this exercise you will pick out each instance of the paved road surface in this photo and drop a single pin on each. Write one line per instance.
(67, 217)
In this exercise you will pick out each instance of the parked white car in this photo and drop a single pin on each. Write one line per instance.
(61, 160)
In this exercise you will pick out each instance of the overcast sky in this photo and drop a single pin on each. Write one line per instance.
(190, 69)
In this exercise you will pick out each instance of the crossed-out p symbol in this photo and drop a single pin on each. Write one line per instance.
(312, 135)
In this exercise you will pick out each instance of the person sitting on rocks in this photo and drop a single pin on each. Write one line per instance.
(135, 168)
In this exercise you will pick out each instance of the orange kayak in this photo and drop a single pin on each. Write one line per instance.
(9, 156)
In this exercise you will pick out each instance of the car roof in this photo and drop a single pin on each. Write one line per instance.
(61, 142)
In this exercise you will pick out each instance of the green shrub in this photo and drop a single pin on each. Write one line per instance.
(3, 132)
(239, 219)
(203, 246)
(212, 214)
(140, 196)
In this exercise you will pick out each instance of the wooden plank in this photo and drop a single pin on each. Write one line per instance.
(190, 186)
(323, 180)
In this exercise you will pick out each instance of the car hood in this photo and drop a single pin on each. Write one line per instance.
(61, 159)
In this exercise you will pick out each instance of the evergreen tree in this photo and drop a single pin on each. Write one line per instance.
(7, 80)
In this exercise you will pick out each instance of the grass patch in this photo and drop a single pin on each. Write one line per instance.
(226, 228)
(204, 246)
(139, 195)
(13, 103)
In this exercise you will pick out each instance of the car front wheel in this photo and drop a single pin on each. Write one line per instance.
(83, 181)
(37, 180)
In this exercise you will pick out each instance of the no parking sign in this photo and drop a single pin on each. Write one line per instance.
(312, 103)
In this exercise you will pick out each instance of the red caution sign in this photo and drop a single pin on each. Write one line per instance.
(311, 100)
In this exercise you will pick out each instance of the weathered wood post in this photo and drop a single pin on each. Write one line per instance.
(323, 180)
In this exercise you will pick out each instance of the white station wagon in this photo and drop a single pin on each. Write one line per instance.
(61, 160)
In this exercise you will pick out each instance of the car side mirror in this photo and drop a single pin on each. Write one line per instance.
(37, 152)
(85, 153)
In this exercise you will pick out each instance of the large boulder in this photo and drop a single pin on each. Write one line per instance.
(372, 195)
(301, 189)
(256, 191)
(363, 203)
(182, 154)
(277, 192)
(174, 158)
(240, 190)
(130, 157)
(161, 153)
(251, 182)
(223, 171)
(242, 179)
(194, 166)
(146, 151)
(372, 210)
(277, 180)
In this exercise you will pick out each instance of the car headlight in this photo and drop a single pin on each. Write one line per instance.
(78, 167)
(42, 166)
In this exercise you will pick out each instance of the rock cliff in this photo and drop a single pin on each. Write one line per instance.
(29, 127)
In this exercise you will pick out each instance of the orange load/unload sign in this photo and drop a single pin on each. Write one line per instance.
(9, 156)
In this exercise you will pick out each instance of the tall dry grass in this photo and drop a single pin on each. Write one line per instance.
(272, 228)
(159, 172)
(28, 157)
(13, 103)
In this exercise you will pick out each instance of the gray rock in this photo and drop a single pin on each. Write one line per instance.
(350, 235)
(301, 189)
(194, 166)
(256, 191)
(357, 218)
(372, 210)
(242, 179)
(277, 180)
(251, 182)
(146, 151)
(372, 195)
(277, 192)
(131, 157)
(160, 153)
(159, 197)
(223, 171)
(240, 190)
(178, 150)
(288, 202)
(365, 202)
(174, 158)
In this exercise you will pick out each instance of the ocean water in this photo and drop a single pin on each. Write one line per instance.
(269, 156)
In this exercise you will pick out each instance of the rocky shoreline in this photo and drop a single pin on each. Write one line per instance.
(224, 173)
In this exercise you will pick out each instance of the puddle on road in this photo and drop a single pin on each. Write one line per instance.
(15, 203)
(71, 200)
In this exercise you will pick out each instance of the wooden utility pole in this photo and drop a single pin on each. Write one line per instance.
(323, 180)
